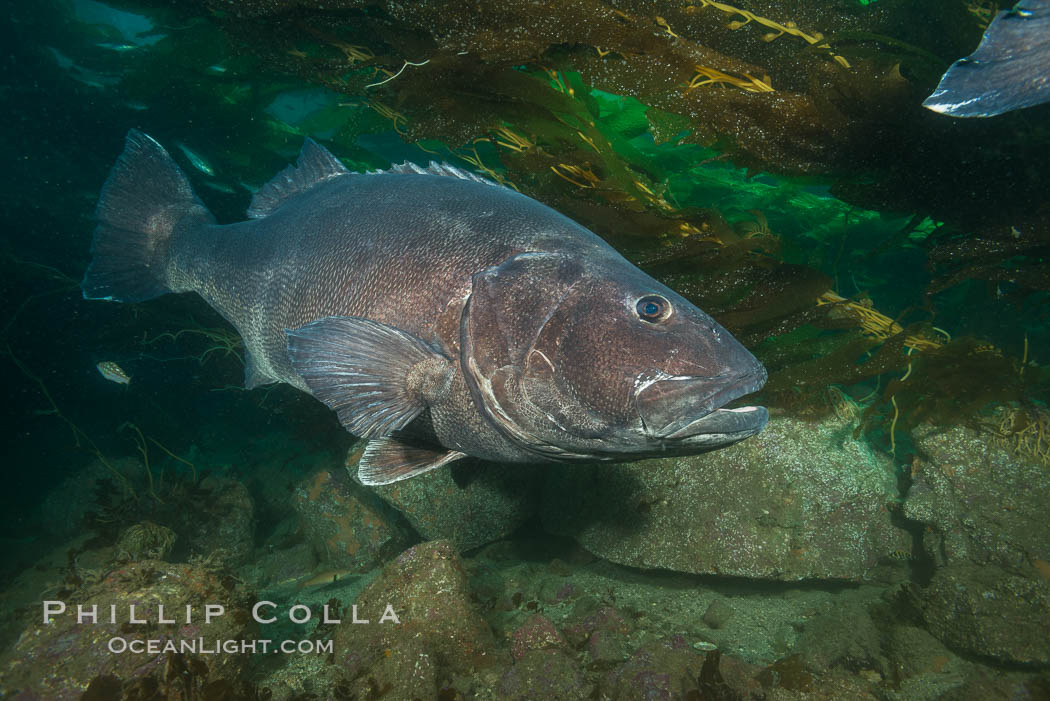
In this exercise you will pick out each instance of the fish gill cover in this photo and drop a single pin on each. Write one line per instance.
(769, 160)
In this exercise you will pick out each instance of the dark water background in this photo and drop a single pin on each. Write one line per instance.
(207, 78)
(61, 139)
(64, 125)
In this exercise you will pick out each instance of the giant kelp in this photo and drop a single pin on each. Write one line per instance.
(809, 86)
(662, 127)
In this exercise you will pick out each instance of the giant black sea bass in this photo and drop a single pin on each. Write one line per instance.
(440, 315)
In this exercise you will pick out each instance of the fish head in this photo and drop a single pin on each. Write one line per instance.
(576, 360)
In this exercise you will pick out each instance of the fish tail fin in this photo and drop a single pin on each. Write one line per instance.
(144, 200)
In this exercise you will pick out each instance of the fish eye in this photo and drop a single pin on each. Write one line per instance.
(653, 309)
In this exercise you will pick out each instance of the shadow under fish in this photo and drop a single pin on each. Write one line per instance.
(1009, 70)
(438, 314)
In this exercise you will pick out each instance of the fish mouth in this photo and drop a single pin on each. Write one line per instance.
(729, 424)
(692, 409)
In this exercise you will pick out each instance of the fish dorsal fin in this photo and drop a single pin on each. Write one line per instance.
(388, 459)
(436, 168)
(315, 166)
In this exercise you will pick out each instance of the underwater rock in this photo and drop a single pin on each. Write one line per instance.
(145, 541)
(986, 528)
(802, 500)
(555, 590)
(845, 636)
(57, 661)
(536, 633)
(603, 633)
(607, 647)
(280, 566)
(302, 677)
(65, 507)
(981, 504)
(544, 674)
(427, 588)
(1001, 686)
(718, 613)
(404, 671)
(229, 526)
(584, 624)
(924, 668)
(345, 528)
(654, 671)
(494, 501)
(988, 611)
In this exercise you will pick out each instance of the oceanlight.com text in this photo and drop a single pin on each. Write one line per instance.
(202, 646)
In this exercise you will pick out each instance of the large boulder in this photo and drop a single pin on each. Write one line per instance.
(544, 674)
(225, 528)
(63, 510)
(348, 528)
(989, 612)
(438, 631)
(986, 527)
(656, 670)
(802, 500)
(491, 502)
(981, 504)
(57, 661)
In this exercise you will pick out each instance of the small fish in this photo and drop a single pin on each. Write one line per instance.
(901, 556)
(197, 161)
(220, 187)
(120, 48)
(437, 313)
(284, 127)
(217, 68)
(113, 372)
(1008, 70)
(325, 578)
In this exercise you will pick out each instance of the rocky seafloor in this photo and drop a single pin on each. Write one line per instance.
(800, 564)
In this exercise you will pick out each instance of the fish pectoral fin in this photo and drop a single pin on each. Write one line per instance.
(376, 377)
(388, 459)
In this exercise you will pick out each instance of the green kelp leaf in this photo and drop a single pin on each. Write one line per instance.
(622, 116)
(667, 126)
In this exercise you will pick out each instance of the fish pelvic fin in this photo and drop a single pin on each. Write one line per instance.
(144, 199)
(389, 459)
(376, 377)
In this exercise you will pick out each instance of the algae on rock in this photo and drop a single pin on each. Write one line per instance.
(800, 501)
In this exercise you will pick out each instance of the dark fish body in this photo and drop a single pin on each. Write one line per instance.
(439, 314)
(332, 253)
(1009, 70)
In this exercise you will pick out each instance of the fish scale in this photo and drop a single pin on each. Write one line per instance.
(417, 303)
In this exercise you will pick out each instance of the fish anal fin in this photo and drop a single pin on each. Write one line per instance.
(388, 459)
(376, 377)
(316, 165)
(253, 375)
